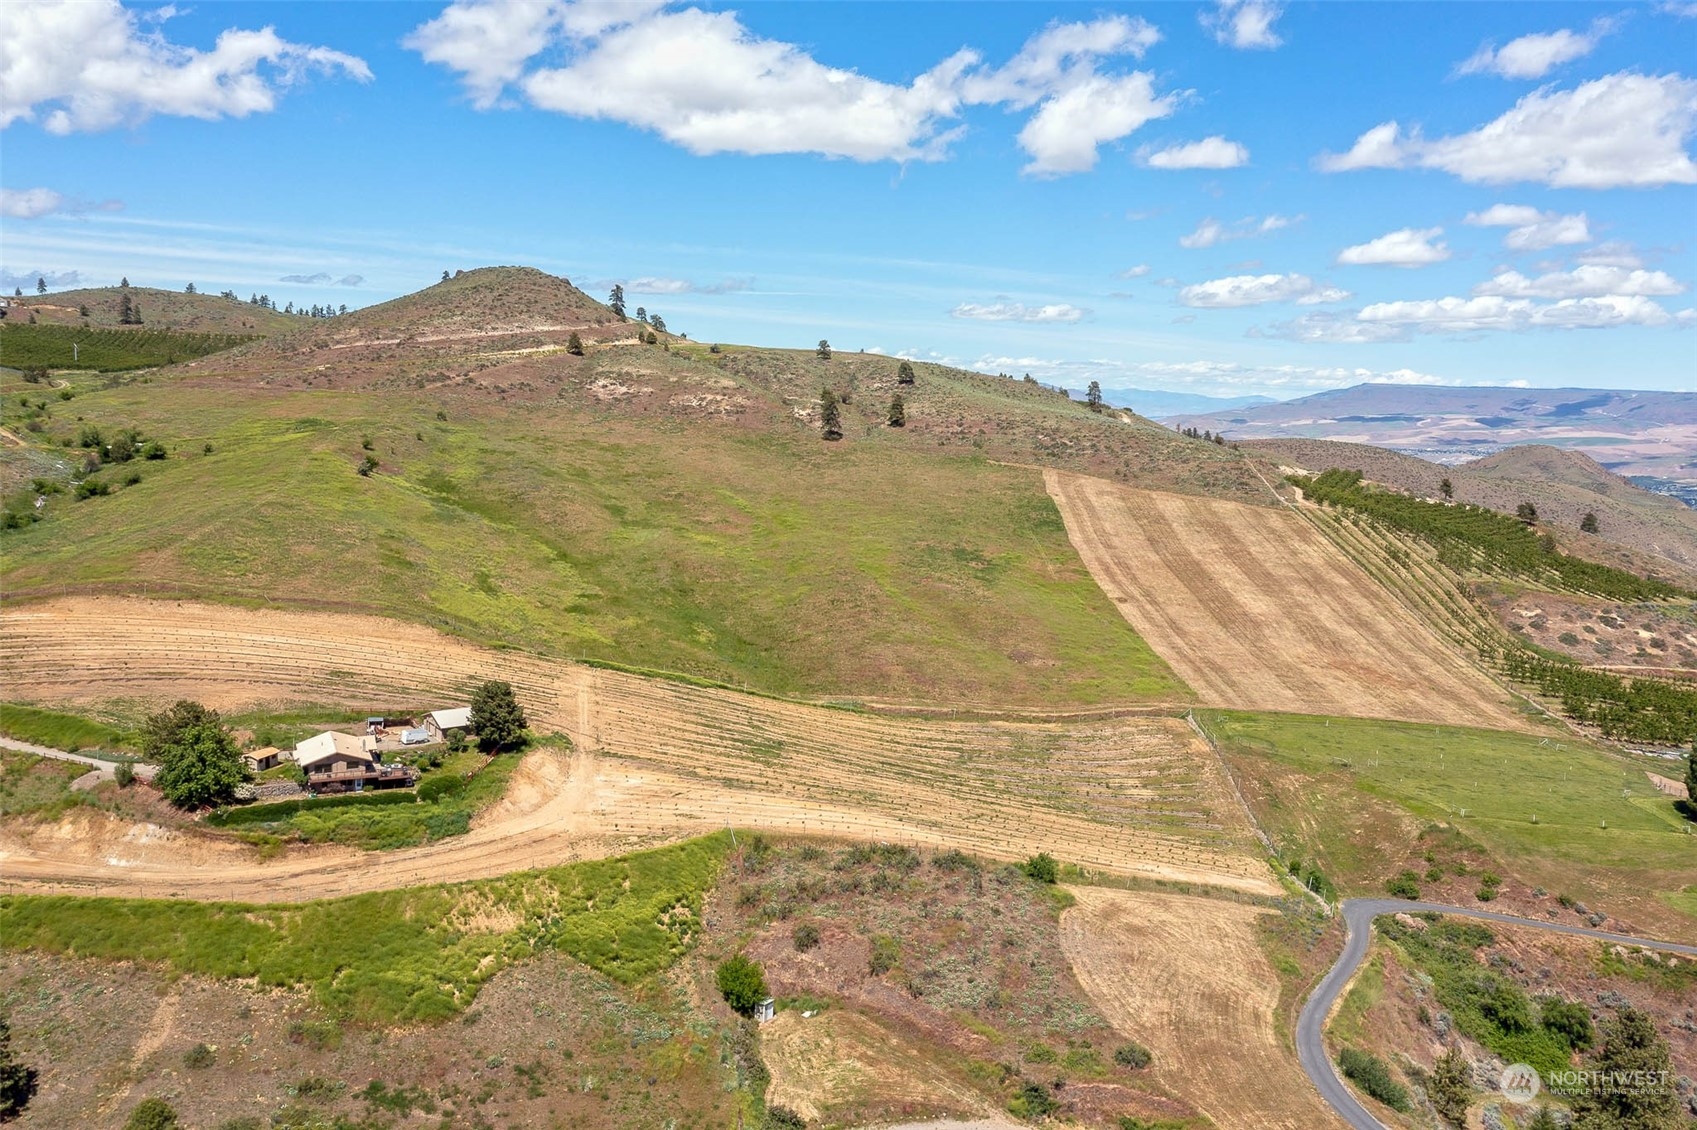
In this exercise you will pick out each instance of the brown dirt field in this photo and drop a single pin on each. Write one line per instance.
(656, 760)
(1255, 609)
(839, 1058)
(1186, 977)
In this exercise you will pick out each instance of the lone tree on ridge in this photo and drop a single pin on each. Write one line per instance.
(496, 717)
(1093, 396)
(824, 350)
(616, 301)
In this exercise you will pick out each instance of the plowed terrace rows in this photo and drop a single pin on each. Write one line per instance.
(662, 759)
(1255, 609)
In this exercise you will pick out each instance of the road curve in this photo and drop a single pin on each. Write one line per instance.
(1358, 915)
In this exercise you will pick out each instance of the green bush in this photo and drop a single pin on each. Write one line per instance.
(152, 1114)
(886, 953)
(1042, 867)
(742, 983)
(1569, 1020)
(1371, 1074)
(783, 1118)
(1033, 1101)
(433, 789)
(1405, 885)
(1133, 1055)
(281, 810)
(805, 937)
(199, 1056)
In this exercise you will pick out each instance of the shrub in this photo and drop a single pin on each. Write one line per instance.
(1405, 885)
(886, 953)
(574, 345)
(783, 1118)
(17, 1082)
(742, 983)
(1569, 1020)
(92, 488)
(1033, 1101)
(320, 1035)
(199, 1056)
(433, 789)
(1133, 1055)
(124, 773)
(1042, 867)
(1370, 1073)
(152, 1114)
(805, 937)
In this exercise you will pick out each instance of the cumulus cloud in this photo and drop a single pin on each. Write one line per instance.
(1407, 247)
(1331, 329)
(29, 203)
(1209, 153)
(80, 65)
(1589, 281)
(1495, 312)
(702, 80)
(1532, 230)
(1018, 312)
(26, 280)
(1244, 24)
(1614, 253)
(1211, 232)
(1534, 56)
(1619, 131)
(1256, 290)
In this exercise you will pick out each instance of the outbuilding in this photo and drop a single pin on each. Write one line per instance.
(441, 722)
(259, 760)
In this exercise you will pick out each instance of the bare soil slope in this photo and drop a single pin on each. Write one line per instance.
(1186, 977)
(657, 759)
(1255, 609)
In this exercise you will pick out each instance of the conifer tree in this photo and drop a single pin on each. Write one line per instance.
(904, 374)
(1588, 524)
(574, 345)
(898, 412)
(1093, 396)
(830, 416)
(616, 301)
(824, 350)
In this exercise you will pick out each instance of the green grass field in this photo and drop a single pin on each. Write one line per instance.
(105, 350)
(1353, 792)
(759, 557)
(55, 730)
(396, 957)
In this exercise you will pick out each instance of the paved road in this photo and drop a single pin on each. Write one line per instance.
(143, 769)
(1358, 915)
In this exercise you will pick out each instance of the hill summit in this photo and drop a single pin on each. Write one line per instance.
(483, 301)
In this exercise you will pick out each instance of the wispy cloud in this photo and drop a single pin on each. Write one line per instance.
(1018, 312)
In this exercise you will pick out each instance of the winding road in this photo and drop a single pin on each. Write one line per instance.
(1358, 916)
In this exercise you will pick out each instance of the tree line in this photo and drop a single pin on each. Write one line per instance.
(1636, 709)
(1474, 537)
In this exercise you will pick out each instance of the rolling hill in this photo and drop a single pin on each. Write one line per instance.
(160, 310)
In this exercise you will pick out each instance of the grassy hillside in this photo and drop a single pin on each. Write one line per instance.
(160, 310)
(105, 350)
(735, 548)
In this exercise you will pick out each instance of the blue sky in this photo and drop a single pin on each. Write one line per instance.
(1227, 198)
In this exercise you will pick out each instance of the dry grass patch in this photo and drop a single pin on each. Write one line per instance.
(1254, 608)
(1187, 977)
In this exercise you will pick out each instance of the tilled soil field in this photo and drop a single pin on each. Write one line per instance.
(655, 759)
(1255, 609)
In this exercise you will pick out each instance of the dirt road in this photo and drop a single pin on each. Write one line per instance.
(657, 760)
(1255, 609)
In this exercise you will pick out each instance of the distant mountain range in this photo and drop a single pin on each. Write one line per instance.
(1156, 403)
(1642, 434)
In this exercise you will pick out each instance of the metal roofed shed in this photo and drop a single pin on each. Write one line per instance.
(439, 722)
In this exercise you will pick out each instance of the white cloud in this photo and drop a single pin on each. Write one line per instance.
(1331, 329)
(1583, 282)
(652, 285)
(82, 65)
(1614, 253)
(1533, 230)
(1018, 312)
(1255, 290)
(702, 80)
(26, 280)
(1408, 247)
(1534, 56)
(1136, 272)
(1063, 136)
(1209, 153)
(1495, 312)
(1619, 131)
(321, 278)
(1211, 232)
(1244, 24)
(29, 203)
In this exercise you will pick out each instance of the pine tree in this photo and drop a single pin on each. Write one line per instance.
(830, 416)
(904, 374)
(1631, 1047)
(824, 350)
(898, 413)
(189, 289)
(1451, 1089)
(1526, 512)
(444, 276)
(41, 286)
(125, 281)
(1446, 488)
(1093, 396)
(642, 314)
(616, 301)
(1589, 524)
(126, 310)
(657, 322)
(574, 345)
